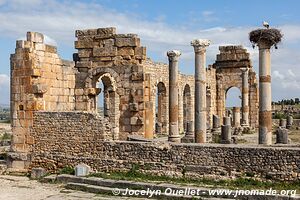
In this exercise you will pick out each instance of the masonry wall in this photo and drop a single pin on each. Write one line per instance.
(40, 80)
(57, 147)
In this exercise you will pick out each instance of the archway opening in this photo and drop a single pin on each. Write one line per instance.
(187, 107)
(105, 99)
(161, 109)
(233, 100)
(233, 97)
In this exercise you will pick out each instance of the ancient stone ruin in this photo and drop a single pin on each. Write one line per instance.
(54, 106)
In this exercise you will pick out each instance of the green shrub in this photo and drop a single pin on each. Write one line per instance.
(67, 170)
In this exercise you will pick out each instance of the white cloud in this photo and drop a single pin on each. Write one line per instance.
(277, 75)
(4, 80)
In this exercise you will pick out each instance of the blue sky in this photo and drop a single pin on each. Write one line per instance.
(162, 25)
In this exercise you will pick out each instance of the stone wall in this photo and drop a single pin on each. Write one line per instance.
(56, 150)
(40, 80)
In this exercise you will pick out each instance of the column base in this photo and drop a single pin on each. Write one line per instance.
(188, 138)
(176, 139)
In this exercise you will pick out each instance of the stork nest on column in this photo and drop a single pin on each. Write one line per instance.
(272, 36)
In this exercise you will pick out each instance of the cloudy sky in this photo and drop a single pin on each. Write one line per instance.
(162, 25)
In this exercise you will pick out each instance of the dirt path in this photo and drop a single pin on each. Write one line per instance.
(22, 188)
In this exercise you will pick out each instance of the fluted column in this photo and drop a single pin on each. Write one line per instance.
(200, 89)
(173, 95)
(245, 97)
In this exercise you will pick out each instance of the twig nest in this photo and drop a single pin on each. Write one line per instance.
(271, 36)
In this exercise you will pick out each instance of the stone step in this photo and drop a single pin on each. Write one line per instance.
(106, 186)
(121, 192)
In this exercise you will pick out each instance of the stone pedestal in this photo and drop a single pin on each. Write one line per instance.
(225, 134)
(281, 136)
(173, 95)
(200, 89)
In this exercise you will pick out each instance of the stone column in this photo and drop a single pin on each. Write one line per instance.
(216, 122)
(282, 136)
(236, 116)
(265, 39)
(225, 134)
(200, 89)
(282, 123)
(289, 122)
(173, 95)
(227, 121)
(265, 97)
(245, 97)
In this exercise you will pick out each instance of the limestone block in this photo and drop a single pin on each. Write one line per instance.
(82, 170)
(36, 72)
(50, 48)
(106, 32)
(79, 92)
(39, 46)
(103, 51)
(23, 44)
(84, 53)
(39, 89)
(137, 76)
(123, 51)
(127, 42)
(87, 32)
(35, 37)
(84, 44)
(37, 173)
(140, 51)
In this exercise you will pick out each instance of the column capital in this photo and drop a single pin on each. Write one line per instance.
(173, 55)
(200, 44)
(244, 69)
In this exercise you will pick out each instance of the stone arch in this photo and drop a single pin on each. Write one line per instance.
(187, 106)
(110, 80)
(161, 108)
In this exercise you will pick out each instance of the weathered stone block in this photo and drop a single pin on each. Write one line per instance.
(125, 51)
(83, 44)
(50, 48)
(35, 37)
(137, 76)
(37, 173)
(103, 51)
(39, 88)
(82, 170)
(127, 42)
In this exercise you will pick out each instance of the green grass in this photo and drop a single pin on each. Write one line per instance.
(67, 170)
(246, 182)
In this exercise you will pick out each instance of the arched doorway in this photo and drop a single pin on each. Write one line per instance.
(187, 106)
(161, 101)
(233, 102)
(104, 82)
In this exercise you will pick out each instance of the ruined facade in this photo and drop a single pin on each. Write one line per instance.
(136, 90)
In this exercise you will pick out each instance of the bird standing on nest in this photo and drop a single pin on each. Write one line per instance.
(266, 24)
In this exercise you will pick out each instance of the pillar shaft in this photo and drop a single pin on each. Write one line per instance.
(265, 97)
(245, 97)
(236, 116)
(200, 89)
(173, 96)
